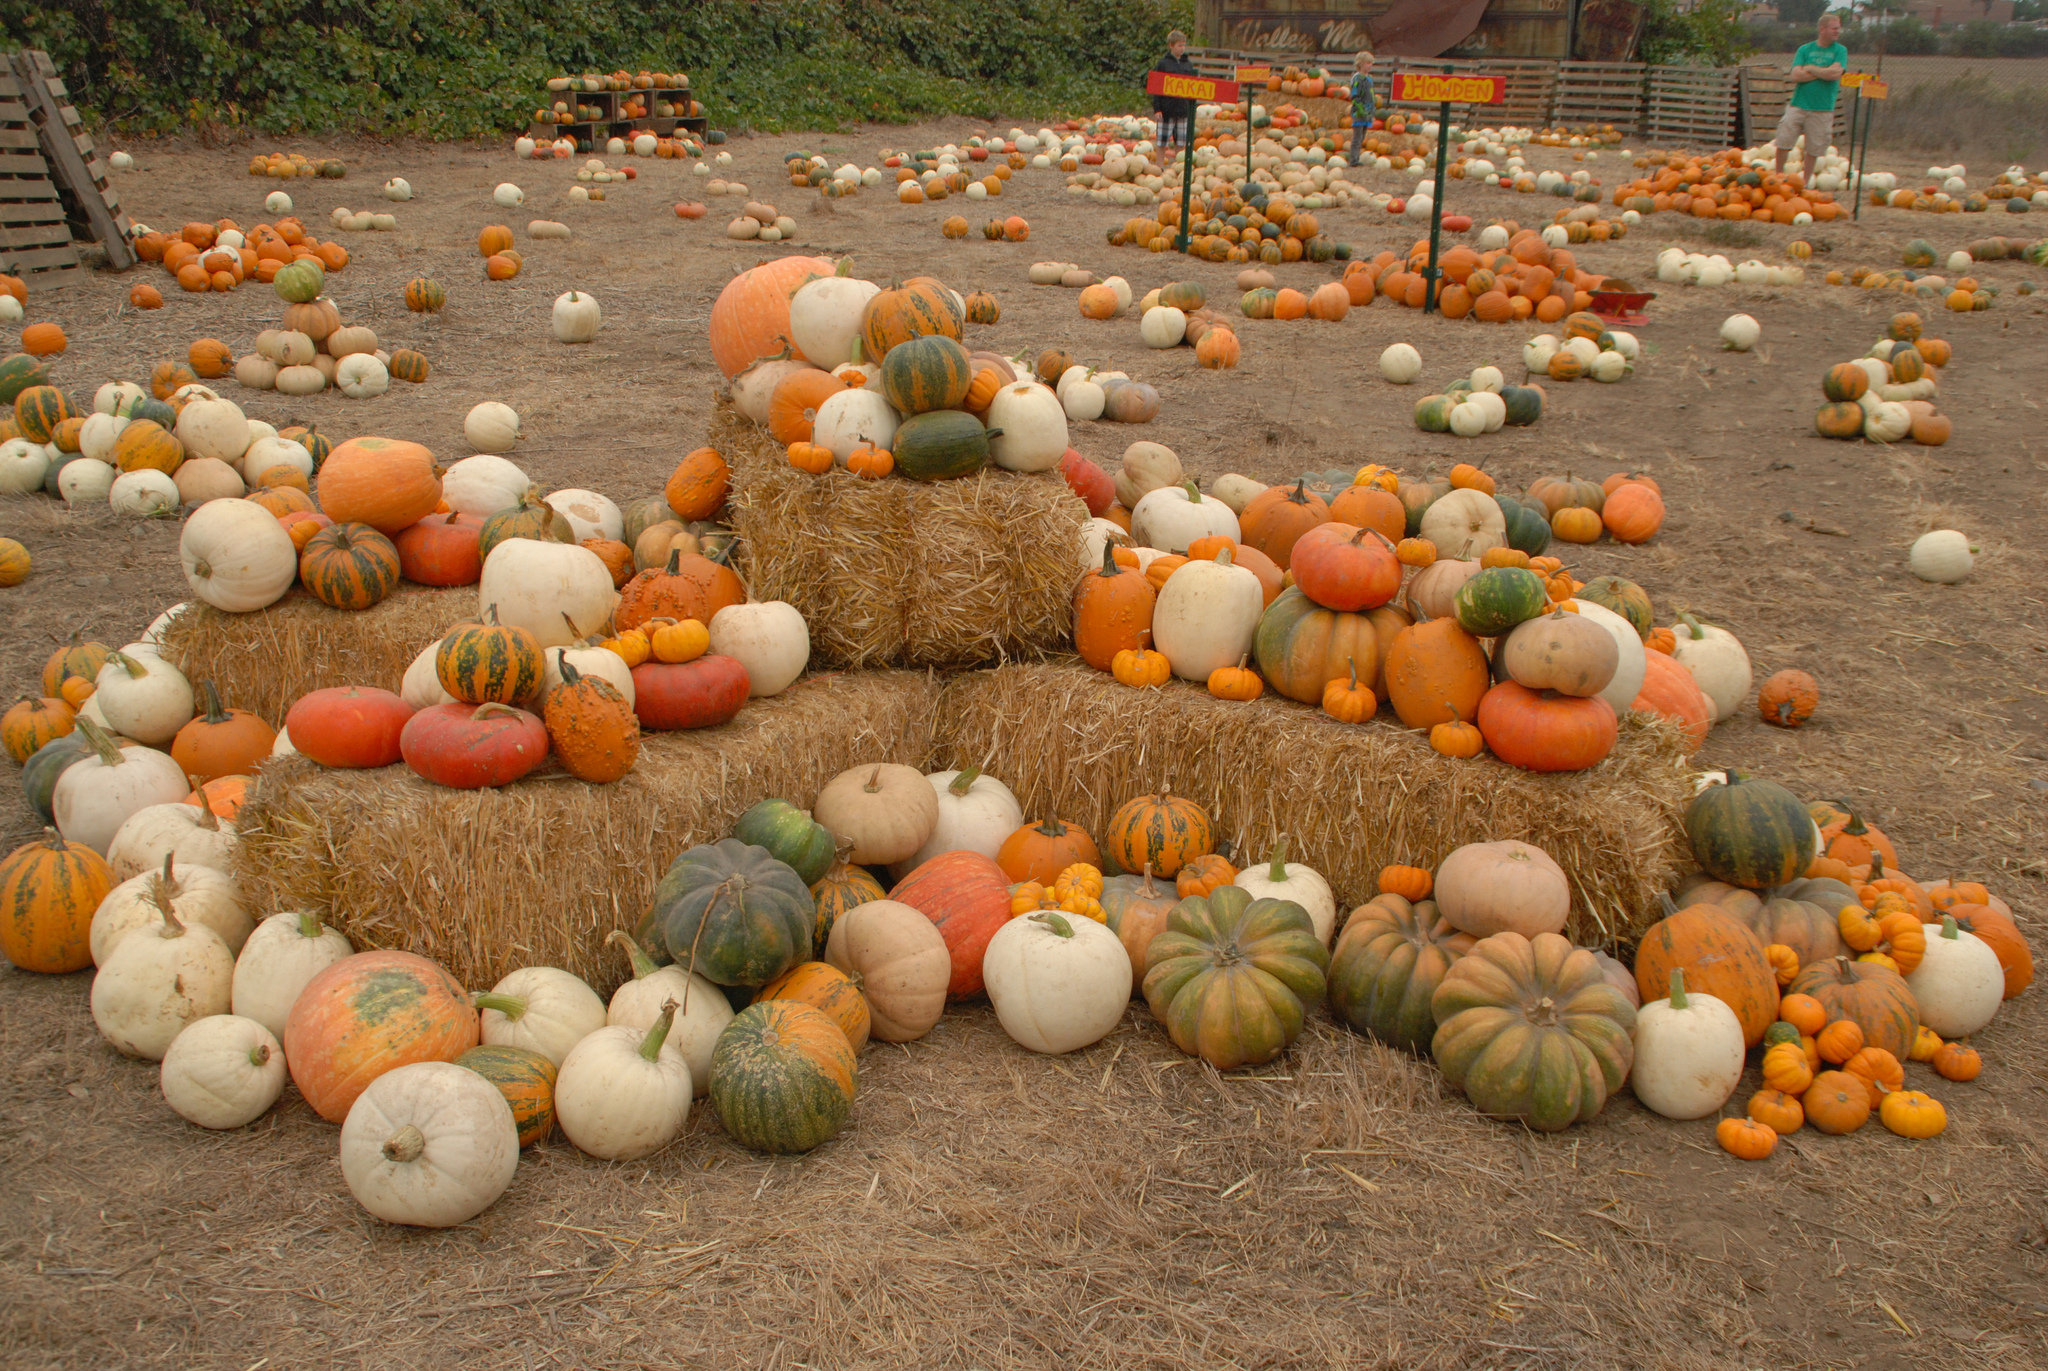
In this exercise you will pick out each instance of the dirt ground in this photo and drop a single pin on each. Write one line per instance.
(1124, 1206)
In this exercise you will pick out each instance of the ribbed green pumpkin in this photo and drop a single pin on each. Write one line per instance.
(527, 1081)
(1389, 961)
(531, 518)
(301, 282)
(1301, 647)
(783, 1077)
(479, 663)
(1233, 977)
(926, 374)
(349, 566)
(1433, 413)
(845, 886)
(1530, 1029)
(155, 411)
(1525, 404)
(1528, 529)
(1750, 832)
(19, 371)
(39, 409)
(1258, 303)
(941, 444)
(790, 836)
(732, 913)
(1498, 598)
(1625, 598)
(1416, 497)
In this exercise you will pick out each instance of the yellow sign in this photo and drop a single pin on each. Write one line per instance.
(1253, 73)
(1855, 78)
(1456, 90)
(1175, 86)
(1875, 90)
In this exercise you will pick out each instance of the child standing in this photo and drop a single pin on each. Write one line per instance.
(1362, 103)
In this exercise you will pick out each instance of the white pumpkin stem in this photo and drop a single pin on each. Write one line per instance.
(1055, 921)
(1949, 929)
(964, 782)
(1149, 888)
(135, 669)
(657, 1033)
(405, 1145)
(259, 1055)
(209, 820)
(513, 1007)
(1693, 624)
(310, 925)
(643, 965)
(1278, 870)
(167, 879)
(874, 781)
(1678, 999)
(109, 752)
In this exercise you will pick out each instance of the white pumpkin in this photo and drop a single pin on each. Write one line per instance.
(588, 661)
(1473, 894)
(492, 426)
(976, 813)
(143, 697)
(1097, 537)
(1401, 364)
(1958, 983)
(851, 419)
(1163, 326)
(360, 376)
(301, 380)
(116, 397)
(1465, 525)
(1467, 420)
(540, 1008)
(158, 981)
(1057, 981)
(623, 1093)
(1688, 1053)
(1943, 557)
(824, 318)
(153, 636)
(1147, 466)
(753, 388)
(265, 453)
(192, 835)
(1279, 879)
(1631, 666)
(1236, 491)
(237, 557)
(702, 1011)
(1887, 421)
(770, 639)
(213, 428)
(284, 952)
(96, 437)
(84, 482)
(1205, 617)
(203, 480)
(483, 485)
(556, 591)
(398, 188)
(577, 317)
(431, 1144)
(1083, 399)
(422, 688)
(24, 465)
(223, 1071)
(196, 894)
(508, 195)
(1172, 517)
(256, 372)
(860, 375)
(1718, 662)
(1487, 379)
(1033, 427)
(1740, 332)
(1608, 366)
(590, 514)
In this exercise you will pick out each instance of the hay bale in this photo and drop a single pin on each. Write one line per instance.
(948, 574)
(1349, 800)
(264, 660)
(536, 874)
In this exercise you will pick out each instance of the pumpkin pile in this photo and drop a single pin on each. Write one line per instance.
(936, 174)
(219, 256)
(810, 171)
(286, 165)
(1888, 395)
(1524, 277)
(1725, 185)
(1962, 296)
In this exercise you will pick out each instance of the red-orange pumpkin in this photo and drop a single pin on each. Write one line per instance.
(383, 482)
(1720, 957)
(367, 1014)
(967, 897)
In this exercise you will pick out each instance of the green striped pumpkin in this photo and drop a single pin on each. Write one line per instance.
(479, 663)
(48, 892)
(1631, 602)
(919, 308)
(349, 566)
(527, 1081)
(941, 445)
(1525, 404)
(1258, 303)
(147, 445)
(926, 374)
(732, 913)
(1301, 647)
(1166, 831)
(790, 836)
(1433, 413)
(153, 410)
(844, 887)
(18, 372)
(1498, 598)
(783, 1077)
(1750, 832)
(39, 409)
(531, 518)
(1389, 961)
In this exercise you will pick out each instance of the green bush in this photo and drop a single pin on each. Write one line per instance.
(471, 68)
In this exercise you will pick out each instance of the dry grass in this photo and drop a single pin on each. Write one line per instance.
(1346, 799)
(536, 874)
(265, 660)
(903, 573)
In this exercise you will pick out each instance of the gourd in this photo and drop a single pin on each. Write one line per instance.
(1943, 557)
(196, 895)
(976, 812)
(824, 317)
(1465, 524)
(491, 427)
(278, 959)
(1163, 326)
(1739, 333)
(430, 1144)
(1232, 976)
(1959, 983)
(590, 514)
(899, 960)
(1717, 661)
(1147, 467)
(143, 494)
(541, 1008)
(783, 1077)
(1750, 832)
(1388, 962)
(1400, 363)
(1170, 518)
(483, 485)
(1276, 878)
(1207, 616)
(222, 1071)
(366, 1015)
(856, 418)
(1506, 886)
(1688, 1053)
(191, 833)
(624, 1093)
(1057, 982)
(86, 483)
(886, 811)
(157, 981)
(1564, 652)
(771, 640)
(98, 793)
(144, 697)
(732, 913)
(1033, 428)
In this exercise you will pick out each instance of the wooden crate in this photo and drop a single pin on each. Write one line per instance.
(35, 240)
(90, 203)
(1691, 106)
(1598, 93)
(1765, 91)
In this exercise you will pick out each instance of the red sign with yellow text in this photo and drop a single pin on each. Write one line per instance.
(1456, 90)
(1175, 86)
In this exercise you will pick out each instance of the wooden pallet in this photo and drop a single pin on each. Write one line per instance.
(1691, 106)
(90, 202)
(1765, 92)
(35, 240)
(1599, 93)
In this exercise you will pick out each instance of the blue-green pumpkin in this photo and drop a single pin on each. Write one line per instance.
(1750, 832)
(941, 445)
(730, 912)
(790, 836)
(1498, 598)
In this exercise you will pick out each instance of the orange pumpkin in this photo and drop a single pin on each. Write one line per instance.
(48, 892)
(383, 482)
(1720, 957)
(828, 990)
(1041, 851)
(367, 1014)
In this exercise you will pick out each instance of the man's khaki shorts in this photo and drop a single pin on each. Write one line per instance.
(1817, 124)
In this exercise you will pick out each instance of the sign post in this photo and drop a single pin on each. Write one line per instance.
(1866, 87)
(1466, 90)
(1175, 86)
(1250, 78)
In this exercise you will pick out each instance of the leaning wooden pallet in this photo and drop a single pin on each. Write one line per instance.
(91, 202)
(35, 241)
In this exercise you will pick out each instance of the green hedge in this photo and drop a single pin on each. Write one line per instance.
(466, 68)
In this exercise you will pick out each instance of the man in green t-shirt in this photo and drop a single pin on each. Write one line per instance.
(1818, 68)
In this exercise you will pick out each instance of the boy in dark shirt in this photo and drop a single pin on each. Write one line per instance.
(1176, 117)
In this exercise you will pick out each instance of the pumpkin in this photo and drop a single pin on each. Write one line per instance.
(1912, 1114)
(1278, 517)
(1788, 699)
(423, 295)
(236, 555)
(790, 836)
(387, 484)
(696, 694)
(697, 488)
(280, 956)
(539, 1008)
(482, 663)
(442, 550)
(886, 811)
(1720, 956)
(1162, 831)
(1495, 599)
(92, 797)
(1669, 691)
(1302, 647)
(783, 1077)
(49, 890)
(221, 742)
(527, 1081)
(1836, 1103)
(366, 1015)
(977, 813)
(1562, 652)
(1996, 929)
(75, 659)
(1530, 1029)
(915, 309)
(898, 959)
(591, 726)
(1688, 1053)
(1624, 597)
(1136, 908)
(32, 722)
(1788, 921)
(967, 897)
(1875, 998)
(827, 989)
(702, 1010)
(1040, 851)
(1633, 513)
(348, 726)
(1057, 983)
(40, 409)
(1436, 672)
(1958, 982)
(429, 1143)
(349, 566)
(1957, 1062)
(1488, 888)
(1388, 962)
(732, 913)
(1750, 832)
(1786, 1069)
(926, 373)
(1343, 567)
(1112, 611)
(1546, 731)
(690, 586)
(223, 1071)
(156, 981)
(1232, 976)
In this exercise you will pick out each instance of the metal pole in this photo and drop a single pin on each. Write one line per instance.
(1187, 187)
(1855, 113)
(1436, 208)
